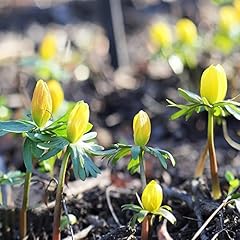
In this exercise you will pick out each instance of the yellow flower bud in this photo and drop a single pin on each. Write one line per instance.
(77, 121)
(41, 104)
(186, 31)
(228, 17)
(213, 84)
(160, 34)
(48, 47)
(57, 94)
(141, 128)
(152, 196)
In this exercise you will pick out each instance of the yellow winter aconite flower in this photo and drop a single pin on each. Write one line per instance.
(57, 94)
(78, 121)
(141, 128)
(214, 84)
(160, 34)
(186, 31)
(228, 17)
(48, 47)
(41, 104)
(152, 196)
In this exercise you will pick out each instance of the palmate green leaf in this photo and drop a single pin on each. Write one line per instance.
(166, 214)
(233, 110)
(131, 207)
(173, 104)
(12, 178)
(190, 96)
(141, 215)
(16, 126)
(89, 136)
(90, 168)
(133, 165)
(122, 152)
(83, 165)
(27, 154)
(168, 155)
(2, 132)
(54, 142)
(157, 154)
(179, 114)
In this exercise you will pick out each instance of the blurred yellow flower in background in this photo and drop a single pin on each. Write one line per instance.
(57, 94)
(160, 34)
(186, 31)
(48, 47)
(228, 18)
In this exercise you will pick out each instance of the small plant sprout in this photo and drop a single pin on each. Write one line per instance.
(141, 135)
(149, 207)
(213, 89)
(41, 113)
(233, 182)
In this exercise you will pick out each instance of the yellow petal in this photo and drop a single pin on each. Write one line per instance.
(141, 128)
(152, 196)
(41, 104)
(213, 84)
(78, 121)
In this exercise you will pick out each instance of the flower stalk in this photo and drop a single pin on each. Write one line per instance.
(25, 203)
(216, 191)
(57, 209)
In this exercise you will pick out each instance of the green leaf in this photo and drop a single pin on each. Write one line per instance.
(2, 132)
(229, 176)
(189, 96)
(122, 152)
(90, 167)
(77, 167)
(179, 114)
(16, 126)
(89, 136)
(167, 214)
(168, 156)
(27, 154)
(131, 207)
(158, 155)
(135, 151)
(141, 215)
(67, 220)
(12, 178)
(54, 142)
(233, 110)
(133, 165)
(50, 153)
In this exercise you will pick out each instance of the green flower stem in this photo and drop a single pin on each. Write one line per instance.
(146, 222)
(25, 202)
(58, 205)
(216, 191)
(142, 171)
(201, 162)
